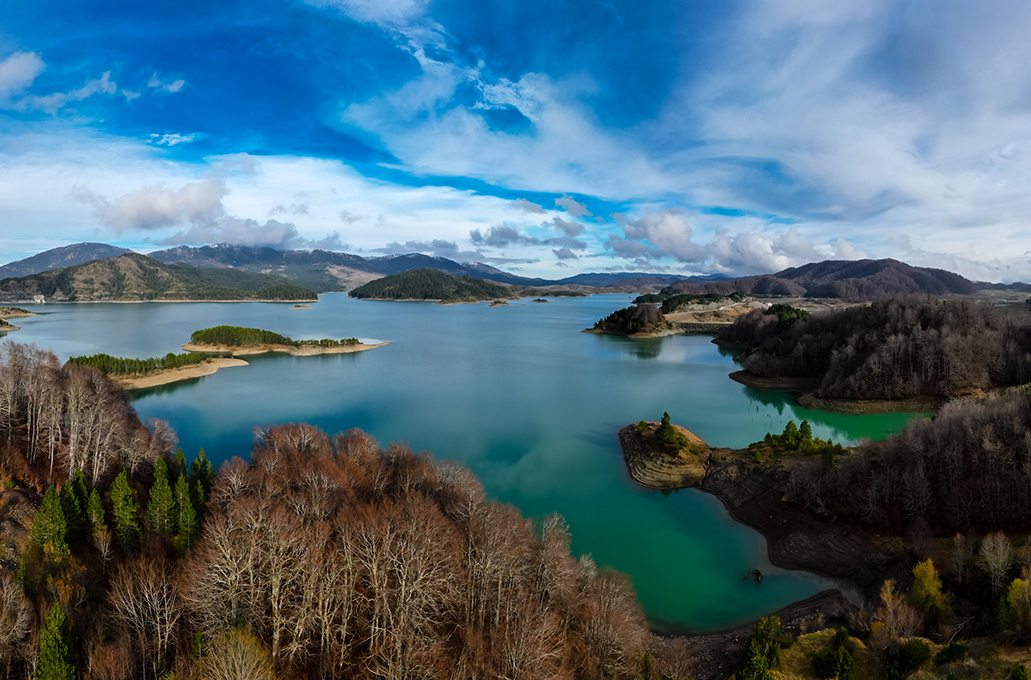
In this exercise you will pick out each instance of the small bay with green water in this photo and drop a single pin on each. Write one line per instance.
(514, 392)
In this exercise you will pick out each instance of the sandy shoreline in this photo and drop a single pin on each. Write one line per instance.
(8, 328)
(172, 375)
(302, 351)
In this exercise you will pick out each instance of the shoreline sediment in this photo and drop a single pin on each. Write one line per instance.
(301, 351)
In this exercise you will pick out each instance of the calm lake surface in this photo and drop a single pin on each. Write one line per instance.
(516, 393)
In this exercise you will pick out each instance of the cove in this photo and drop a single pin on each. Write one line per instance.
(517, 394)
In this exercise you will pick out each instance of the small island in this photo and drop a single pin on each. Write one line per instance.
(431, 285)
(239, 341)
(208, 351)
(301, 307)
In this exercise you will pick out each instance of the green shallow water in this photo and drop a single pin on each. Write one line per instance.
(514, 392)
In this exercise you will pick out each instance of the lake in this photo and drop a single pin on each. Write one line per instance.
(517, 394)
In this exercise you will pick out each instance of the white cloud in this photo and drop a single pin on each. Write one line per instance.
(16, 73)
(171, 139)
(568, 228)
(168, 87)
(156, 207)
(51, 103)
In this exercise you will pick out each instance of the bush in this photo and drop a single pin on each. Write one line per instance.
(913, 654)
(1019, 672)
(825, 664)
(954, 651)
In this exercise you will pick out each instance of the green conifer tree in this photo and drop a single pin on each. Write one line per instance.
(161, 513)
(180, 462)
(805, 431)
(200, 500)
(95, 511)
(49, 528)
(125, 510)
(202, 471)
(55, 648)
(74, 499)
(187, 524)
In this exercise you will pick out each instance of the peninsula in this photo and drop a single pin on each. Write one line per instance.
(11, 313)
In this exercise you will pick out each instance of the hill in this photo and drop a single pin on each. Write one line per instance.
(430, 284)
(135, 277)
(65, 256)
(849, 280)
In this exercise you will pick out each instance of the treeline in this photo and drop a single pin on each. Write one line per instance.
(968, 467)
(431, 284)
(105, 363)
(909, 347)
(322, 557)
(56, 418)
(637, 319)
(239, 336)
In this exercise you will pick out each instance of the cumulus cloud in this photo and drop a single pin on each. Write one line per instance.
(16, 73)
(156, 207)
(528, 207)
(199, 207)
(247, 232)
(572, 207)
(568, 228)
(565, 254)
(668, 232)
(167, 87)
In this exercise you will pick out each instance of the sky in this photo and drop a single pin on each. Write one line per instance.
(544, 137)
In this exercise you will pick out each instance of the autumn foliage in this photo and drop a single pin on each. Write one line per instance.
(321, 557)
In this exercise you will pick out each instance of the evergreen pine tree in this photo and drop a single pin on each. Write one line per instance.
(95, 511)
(74, 499)
(187, 516)
(125, 510)
(161, 512)
(204, 472)
(805, 431)
(49, 528)
(200, 500)
(55, 651)
(180, 462)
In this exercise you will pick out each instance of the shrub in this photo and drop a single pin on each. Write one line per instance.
(953, 651)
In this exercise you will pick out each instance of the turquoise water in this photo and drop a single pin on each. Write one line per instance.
(517, 394)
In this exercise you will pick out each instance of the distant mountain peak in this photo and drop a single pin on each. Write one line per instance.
(64, 256)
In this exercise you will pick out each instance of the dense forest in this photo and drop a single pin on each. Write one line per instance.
(321, 557)
(431, 284)
(642, 318)
(135, 277)
(910, 347)
(239, 336)
(968, 467)
(105, 363)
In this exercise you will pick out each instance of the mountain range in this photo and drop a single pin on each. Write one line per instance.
(135, 277)
(326, 271)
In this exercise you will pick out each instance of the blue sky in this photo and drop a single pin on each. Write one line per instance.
(542, 137)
